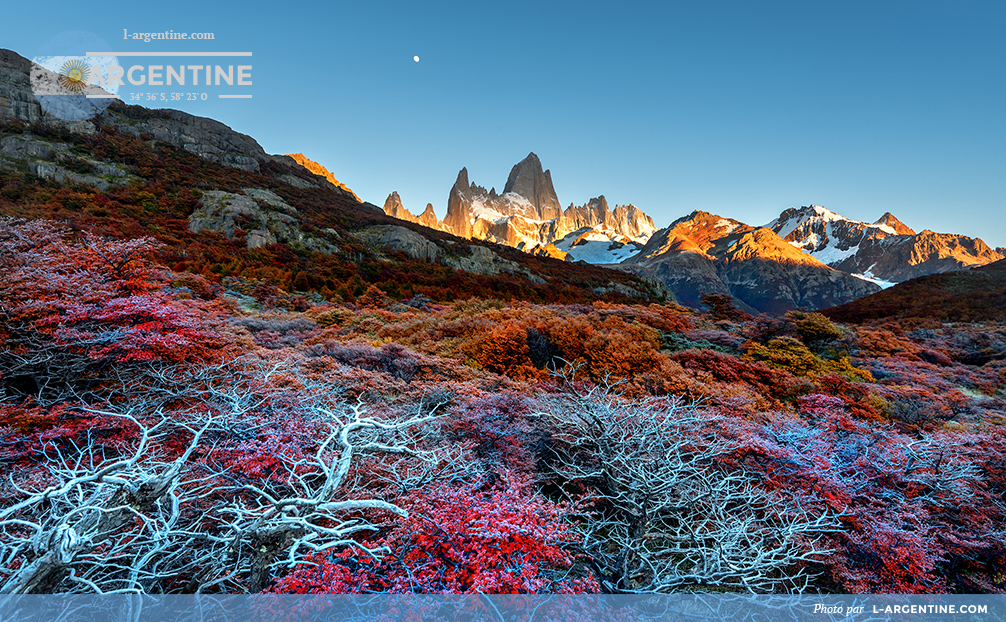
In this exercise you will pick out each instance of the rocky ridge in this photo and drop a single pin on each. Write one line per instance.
(706, 253)
(317, 169)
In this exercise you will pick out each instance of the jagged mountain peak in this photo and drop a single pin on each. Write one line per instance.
(888, 219)
(527, 214)
(393, 207)
(527, 179)
(429, 217)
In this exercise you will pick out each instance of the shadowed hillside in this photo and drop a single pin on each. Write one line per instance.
(967, 296)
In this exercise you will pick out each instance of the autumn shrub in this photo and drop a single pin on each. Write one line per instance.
(540, 349)
(198, 286)
(266, 293)
(792, 355)
(277, 332)
(880, 342)
(723, 307)
(857, 396)
(504, 350)
(373, 298)
(607, 347)
(785, 353)
(773, 383)
(494, 535)
(390, 358)
(917, 512)
(77, 315)
(676, 342)
(763, 328)
(333, 317)
(500, 429)
(813, 328)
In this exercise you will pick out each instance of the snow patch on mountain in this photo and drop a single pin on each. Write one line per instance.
(483, 211)
(868, 276)
(601, 252)
(814, 213)
(597, 246)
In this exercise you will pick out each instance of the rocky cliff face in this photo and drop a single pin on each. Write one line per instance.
(208, 138)
(887, 250)
(18, 101)
(527, 216)
(317, 169)
(528, 181)
(705, 253)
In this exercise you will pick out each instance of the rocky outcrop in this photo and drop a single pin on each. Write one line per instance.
(399, 239)
(17, 98)
(59, 162)
(317, 169)
(205, 137)
(705, 253)
(473, 258)
(550, 250)
(263, 217)
(481, 260)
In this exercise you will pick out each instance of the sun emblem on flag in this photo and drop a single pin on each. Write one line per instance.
(73, 75)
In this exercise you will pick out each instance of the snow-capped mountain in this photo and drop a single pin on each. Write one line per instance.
(827, 236)
(527, 216)
(884, 252)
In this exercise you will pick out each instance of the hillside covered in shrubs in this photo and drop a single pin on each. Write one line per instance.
(157, 187)
(168, 426)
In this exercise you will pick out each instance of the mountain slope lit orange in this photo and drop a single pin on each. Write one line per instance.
(318, 169)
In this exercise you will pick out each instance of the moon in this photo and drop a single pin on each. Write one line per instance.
(415, 58)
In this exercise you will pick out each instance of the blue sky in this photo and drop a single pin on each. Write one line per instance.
(739, 108)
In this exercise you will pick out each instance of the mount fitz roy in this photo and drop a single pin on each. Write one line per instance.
(807, 257)
(528, 215)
